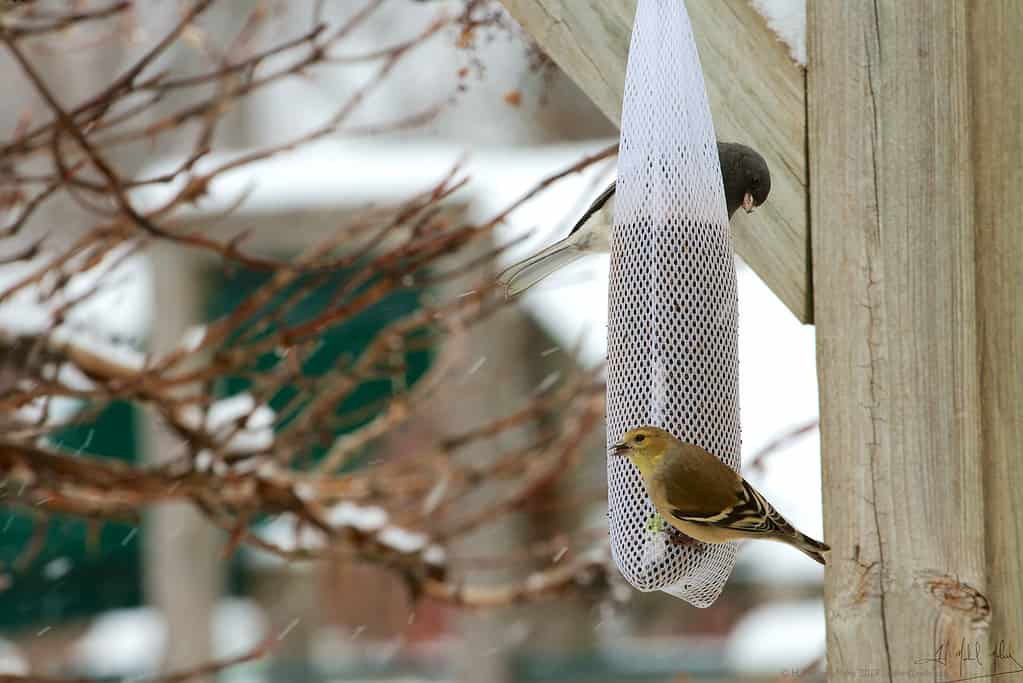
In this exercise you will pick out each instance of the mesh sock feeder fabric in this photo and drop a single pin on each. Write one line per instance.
(672, 308)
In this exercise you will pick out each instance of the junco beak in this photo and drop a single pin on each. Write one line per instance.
(747, 202)
(618, 449)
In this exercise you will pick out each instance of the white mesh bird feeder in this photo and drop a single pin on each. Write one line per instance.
(672, 309)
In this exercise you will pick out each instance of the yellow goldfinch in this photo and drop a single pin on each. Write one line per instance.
(702, 497)
(747, 182)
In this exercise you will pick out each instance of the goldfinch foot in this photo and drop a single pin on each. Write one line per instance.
(679, 539)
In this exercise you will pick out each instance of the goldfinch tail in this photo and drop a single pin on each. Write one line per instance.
(815, 549)
(526, 273)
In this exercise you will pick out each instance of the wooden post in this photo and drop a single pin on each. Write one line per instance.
(914, 137)
(996, 113)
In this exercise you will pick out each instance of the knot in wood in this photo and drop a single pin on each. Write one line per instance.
(952, 593)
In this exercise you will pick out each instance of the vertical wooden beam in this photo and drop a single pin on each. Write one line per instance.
(893, 250)
(504, 349)
(996, 107)
(183, 563)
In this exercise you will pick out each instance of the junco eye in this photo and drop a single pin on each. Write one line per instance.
(755, 181)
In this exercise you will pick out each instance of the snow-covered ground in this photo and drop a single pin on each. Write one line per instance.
(131, 642)
(12, 661)
(759, 646)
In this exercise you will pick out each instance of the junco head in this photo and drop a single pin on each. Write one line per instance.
(747, 178)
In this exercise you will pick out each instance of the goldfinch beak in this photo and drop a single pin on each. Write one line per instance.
(747, 202)
(619, 449)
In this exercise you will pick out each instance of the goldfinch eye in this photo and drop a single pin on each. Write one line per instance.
(640, 438)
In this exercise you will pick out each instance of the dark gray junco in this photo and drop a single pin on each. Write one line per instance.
(747, 182)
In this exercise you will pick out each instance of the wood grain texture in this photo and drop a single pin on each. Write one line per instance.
(996, 107)
(894, 244)
(757, 96)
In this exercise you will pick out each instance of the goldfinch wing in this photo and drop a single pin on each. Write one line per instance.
(700, 489)
(750, 514)
(696, 484)
(596, 206)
